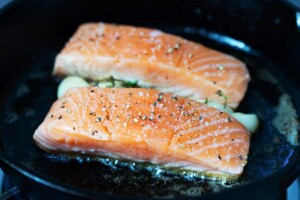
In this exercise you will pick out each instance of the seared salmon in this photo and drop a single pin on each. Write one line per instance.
(156, 60)
(145, 125)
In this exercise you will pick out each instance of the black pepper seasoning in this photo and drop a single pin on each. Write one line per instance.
(206, 100)
(144, 117)
(174, 98)
(229, 119)
(220, 158)
(160, 95)
(59, 117)
(186, 114)
(219, 93)
(98, 119)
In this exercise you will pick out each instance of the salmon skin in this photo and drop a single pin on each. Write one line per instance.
(145, 125)
(155, 59)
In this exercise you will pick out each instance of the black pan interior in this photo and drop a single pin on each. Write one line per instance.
(31, 96)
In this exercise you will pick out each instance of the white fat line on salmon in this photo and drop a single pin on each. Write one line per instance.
(217, 132)
(74, 108)
(216, 66)
(214, 75)
(200, 109)
(199, 55)
(203, 60)
(181, 126)
(45, 142)
(85, 109)
(51, 136)
(204, 125)
(214, 146)
(240, 81)
(230, 80)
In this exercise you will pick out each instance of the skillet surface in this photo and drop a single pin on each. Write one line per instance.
(33, 95)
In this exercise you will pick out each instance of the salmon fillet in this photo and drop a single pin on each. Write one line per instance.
(145, 125)
(155, 59)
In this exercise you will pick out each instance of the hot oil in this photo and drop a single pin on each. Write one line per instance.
(34, 94)
(149, 179)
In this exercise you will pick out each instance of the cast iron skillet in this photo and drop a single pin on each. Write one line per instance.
(32, 33)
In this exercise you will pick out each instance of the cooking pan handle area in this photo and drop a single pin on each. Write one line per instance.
(291, 174)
